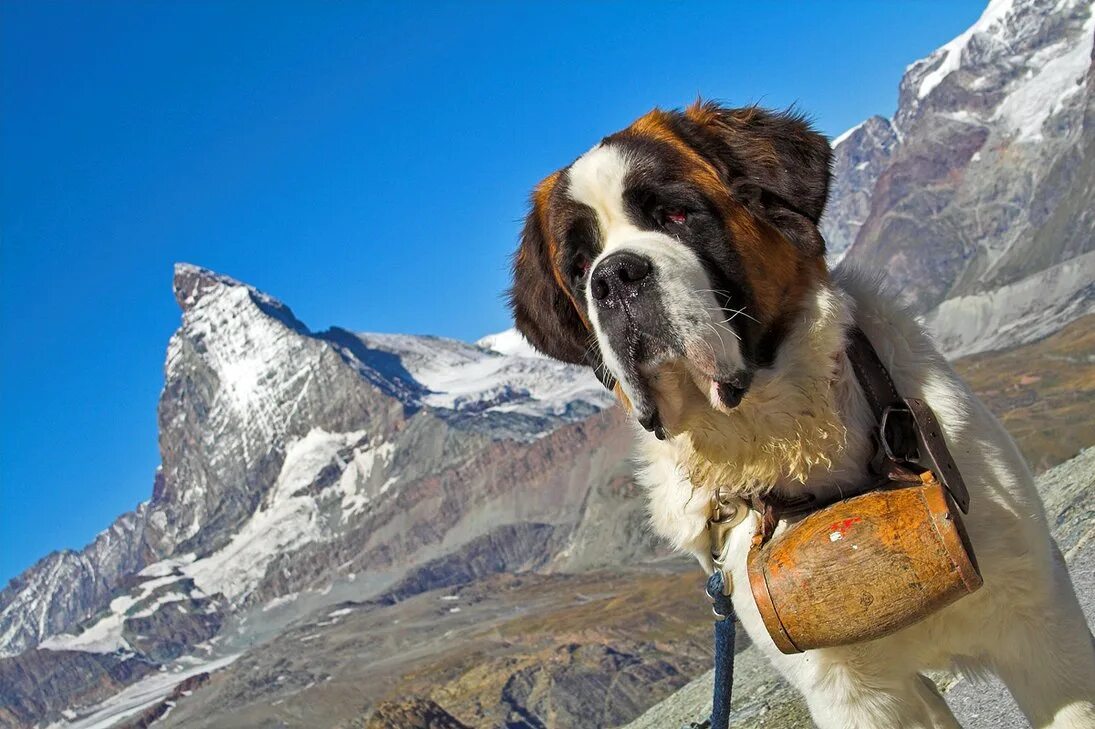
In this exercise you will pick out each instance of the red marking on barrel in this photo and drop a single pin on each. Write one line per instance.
(842, 527)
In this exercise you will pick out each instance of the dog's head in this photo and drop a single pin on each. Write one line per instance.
(685, 243)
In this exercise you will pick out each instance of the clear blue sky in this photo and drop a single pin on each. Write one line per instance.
(367, 163)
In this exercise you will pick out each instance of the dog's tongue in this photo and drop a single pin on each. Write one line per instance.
(653, 423)
(730, 392)
(730, 395)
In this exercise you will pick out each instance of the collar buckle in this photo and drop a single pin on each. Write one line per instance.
(727, 511)
(895, 439)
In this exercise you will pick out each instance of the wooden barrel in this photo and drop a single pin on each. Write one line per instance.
(863, 568)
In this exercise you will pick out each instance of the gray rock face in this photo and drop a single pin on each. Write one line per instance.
(67, 587)
(244, 378)
(983, 179)
(175, 618)
(860, 155)
(31, 682)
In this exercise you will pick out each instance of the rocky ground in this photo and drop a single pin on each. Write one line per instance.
(512, 650)
(1043, 393)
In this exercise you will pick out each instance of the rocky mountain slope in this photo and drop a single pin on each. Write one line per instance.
(296, 461)
(1043, 392)
(976, 198)
(535, 650)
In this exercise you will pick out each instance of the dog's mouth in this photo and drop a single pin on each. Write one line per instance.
(730, 392)
(674, 390)
(669, 375)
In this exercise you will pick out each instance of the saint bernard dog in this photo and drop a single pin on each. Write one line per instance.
(681, 259)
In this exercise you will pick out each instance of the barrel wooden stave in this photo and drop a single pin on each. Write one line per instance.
(863, 568)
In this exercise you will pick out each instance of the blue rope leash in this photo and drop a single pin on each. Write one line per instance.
(725, 631)
(724, 651)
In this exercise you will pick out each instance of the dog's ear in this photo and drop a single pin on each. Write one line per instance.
(543, 311)
(773, 163)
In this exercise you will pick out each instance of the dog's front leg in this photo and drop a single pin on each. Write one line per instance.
(866, 686)
(844, 698)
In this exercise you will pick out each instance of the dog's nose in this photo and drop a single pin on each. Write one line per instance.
(618, 274)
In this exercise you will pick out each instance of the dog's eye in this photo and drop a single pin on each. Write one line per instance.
(579, 267)
(670, 217)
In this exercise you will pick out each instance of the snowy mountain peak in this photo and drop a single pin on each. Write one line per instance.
(294, 463)
(860, 155)
(975, 196)
(989, 28)
(272, 434)
(1017, 67)
(192, 283)
(509, 341)
(500, 374)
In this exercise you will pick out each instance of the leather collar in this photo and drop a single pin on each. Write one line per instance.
(908, 440)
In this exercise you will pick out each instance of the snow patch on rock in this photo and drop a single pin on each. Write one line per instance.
(1055, 74)
(104, 636)
(141, 695)
(949, 57)
(510, 342)
(289, 515)
(501, 373)
(1027, 310)
(844, 137)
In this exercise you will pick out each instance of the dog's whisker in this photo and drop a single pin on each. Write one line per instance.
(727, 329)
(733, 312)
(747, 316)
(712, 291)
(716, 331)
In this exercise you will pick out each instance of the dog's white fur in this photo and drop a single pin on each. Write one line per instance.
(805, 424)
